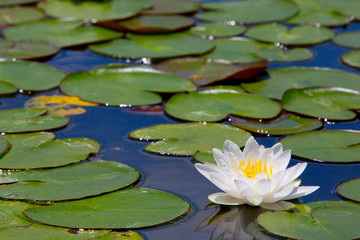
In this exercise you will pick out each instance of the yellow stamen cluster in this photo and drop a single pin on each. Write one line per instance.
(251, 170)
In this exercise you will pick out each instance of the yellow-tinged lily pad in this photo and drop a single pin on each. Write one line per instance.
(16, 15)
(350, 189)
(129, 235)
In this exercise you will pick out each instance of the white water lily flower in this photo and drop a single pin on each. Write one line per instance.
(257, 176)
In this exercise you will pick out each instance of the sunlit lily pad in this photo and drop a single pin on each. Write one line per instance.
(282, 79)
(350, 8)
(299, 35)
(285, 124)
(348, 39)
(154, 46)
(217, 30)
(40, 150)
(26, 49)
(205, 71)
(204, 157)
(129, 235)
(129, 208)
(69, 182)
(216, 105)
(62, 33)
(248, 11)
(350, 189)
(4, 146)
(187, 138)
(125, 86)
(11, 214)
(7, 88)
(171, 7)
(276, 54)
(325, 146)
(16, 2)
(352, 58)
(94, 10)
(16, 15)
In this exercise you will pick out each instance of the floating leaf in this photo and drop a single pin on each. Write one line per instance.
(350, 8)
(154, 46)
(352, 58)
(282, 79)
(29, 120)
(7, 88)
(187, 138)
(128, 208)
(249, 11)
(63, 33)
(123, 85)
(205, 71)
(30, 76)
(216, 105)
(16, 15)
(12, 214)
(325, 146)
(276, 54)
(130, 235)
(204, 157)
(285, 124)
(16, 2)
(348, 39)
(4, 146)
(217, 30)
(39, 150)
(350, 189)
(299, 35)
(171, 7)
(66, 183)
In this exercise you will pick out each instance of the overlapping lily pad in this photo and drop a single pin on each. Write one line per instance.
(299, 35)
(348, 39)
(205, 71)
(171, 7)
(129, 235)
(123, 85)
(4, 146)
(129, 208)
(276, 54)
(16, 15)
(204, 157)
(285, 124)
(282, 79)
(11, 214)
(350, 189)
(154, 46)
(216, 105)
(217, 30)
(352, 58)
(94, 10)
(248, 11)
(40, 150)
(16, 2)
(69, 182)
(187, 138)
(63, 33)
(333, 146)
(327, 103)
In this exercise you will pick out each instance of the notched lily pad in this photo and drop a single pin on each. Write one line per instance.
(217, 30)
(186, 138)
(40, 150)
(352, 58)
(216, 105)
(171, 7)
(16, 15)
(348, 39)
(276, 54)
(350, 189)
(332, 146)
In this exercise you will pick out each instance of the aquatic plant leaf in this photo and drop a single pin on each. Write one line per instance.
(187, 138)
(63, 33)
(350, 189)
(16, 15)
(352, 58)
(248, 11)
(128, 208)
(4, 145)
(12, 214)
(171, 7)
(216, 105)
(204, 157)
(285, 124)
(123, 85)
(39, 150)
(276, 54)
(16, 2)
(299, 35)
(129, 235)
(205, 71)
(348, 39)
(325, 146)
(282, 79)
(327, 103)
(154, 46)
(30, 76)
(66, 183)
(7, 88)
(217, 30)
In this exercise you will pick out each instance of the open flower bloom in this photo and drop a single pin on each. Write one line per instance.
(257, 176)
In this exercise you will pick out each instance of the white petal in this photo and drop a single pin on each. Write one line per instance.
(251, 146)
(219, 157)
(251, 197)
(277, 149)
(301, 191)
(282, 161)
(224, 199)
(241, 185)
(234, 148)
(266, 156)
(260, 176)
(221, 182)
(292, 173)
(280, 205)
(280, 195)
(263, 186)
(207, 169)
(275, 180)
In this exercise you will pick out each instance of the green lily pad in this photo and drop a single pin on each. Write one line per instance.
(39, 150)
(348, 39)
(29, 76)
(154, 46)
(129, 208)
(204, 157)
(93, 10)
(16, 2)
(216, 105)
(16, 15)
(352, 58)
(236, 50)
(350, 189)
(299, 35)
(62, 33)
(7, 88)
(130, 235)
(350, 8)
(29, 120)
(217, 30)
(327, 103)
(67, 183)
(227, 87)
(249, 11)
(285, 124)
(171, 7)
(123, 85)
(276, 54)
(205, 71)
(282, 79)
(325, 146)
(12, 214)
(26, 49)
(187, 138)
(4, 145)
